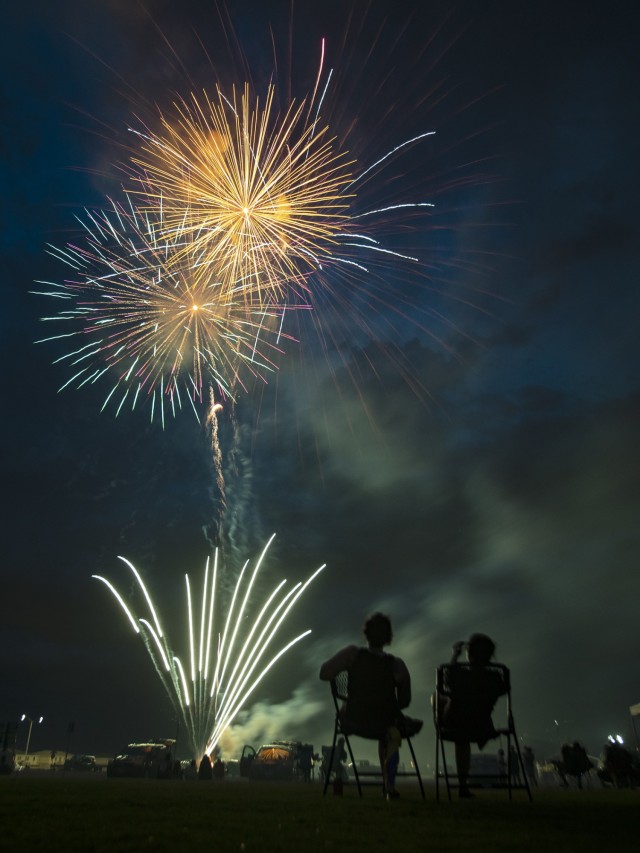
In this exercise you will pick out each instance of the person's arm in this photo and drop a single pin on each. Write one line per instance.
(456, 650)
(341, 661)
(403, 683)
(499, 685)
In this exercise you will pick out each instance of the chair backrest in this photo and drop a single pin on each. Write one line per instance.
(458, 719)
(478, 687)
(340, 687)
(365, 697)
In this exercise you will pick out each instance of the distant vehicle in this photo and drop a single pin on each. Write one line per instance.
(82, 762)
(246, 759)
(277, 761)
(150, 760)
(233, 767)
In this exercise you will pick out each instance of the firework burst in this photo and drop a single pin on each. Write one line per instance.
(238, 214)
(262, 195)
(147, 312)
(228, 655)
(261, 199)
(270, 198)
(273, 201)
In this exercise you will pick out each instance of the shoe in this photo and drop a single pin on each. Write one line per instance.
(465, 794)
(392, 795)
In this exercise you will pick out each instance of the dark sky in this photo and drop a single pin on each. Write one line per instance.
(469, 463)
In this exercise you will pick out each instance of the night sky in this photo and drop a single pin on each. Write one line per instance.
(468, 462)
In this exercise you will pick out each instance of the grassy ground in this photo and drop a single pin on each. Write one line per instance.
(49, 811)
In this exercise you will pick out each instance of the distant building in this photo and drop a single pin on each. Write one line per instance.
(48, 759)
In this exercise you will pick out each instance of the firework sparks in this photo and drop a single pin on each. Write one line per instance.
(226, 662)
(236, 212)
(269, 199)
(273, 200)
(154, 324)
(262, 195)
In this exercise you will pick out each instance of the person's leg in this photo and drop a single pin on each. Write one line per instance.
(388, 748)
(463, 763)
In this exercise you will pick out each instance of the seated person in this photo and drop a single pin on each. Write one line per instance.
(379, 687)
(575, 762)
(464, 712)
(618, 766)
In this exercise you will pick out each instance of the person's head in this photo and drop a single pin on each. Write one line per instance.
(480, 649)
(377, 630)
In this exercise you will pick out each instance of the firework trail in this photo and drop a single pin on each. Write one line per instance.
(212, 425)
(157, 326)
(232, 484)
(230, 651)
(239, 517)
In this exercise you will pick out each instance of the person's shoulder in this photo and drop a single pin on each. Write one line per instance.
(340, 661)
(397, 663)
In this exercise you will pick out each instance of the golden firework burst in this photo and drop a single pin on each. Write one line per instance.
(261, 195)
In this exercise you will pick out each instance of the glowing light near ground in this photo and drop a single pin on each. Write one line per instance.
(229, 655)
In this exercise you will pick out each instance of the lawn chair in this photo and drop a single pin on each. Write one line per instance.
(339, 694)
(576, 764)
(513, 775)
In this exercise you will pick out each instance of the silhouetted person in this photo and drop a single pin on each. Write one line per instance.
(191, 772)
(529, 759)
(379, 688)
(205, 772)
(305, 761)
(471, 694)
(339, 757)
(618, 767)
(166, 766)
(575, 762)
(502, 765)
(515, 766)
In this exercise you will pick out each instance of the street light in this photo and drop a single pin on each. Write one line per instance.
(31, 722)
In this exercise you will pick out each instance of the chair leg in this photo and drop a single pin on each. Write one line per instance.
(525, 778)
(353, 764)
(415, 764)
(329, 768)
(441, 756)
(445, 769)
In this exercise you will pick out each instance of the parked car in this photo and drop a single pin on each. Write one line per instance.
(150, 760)
(233, 767)
(275, 761)
(82, 763)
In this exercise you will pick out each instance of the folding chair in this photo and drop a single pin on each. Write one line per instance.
(340, 694)
(514, 776)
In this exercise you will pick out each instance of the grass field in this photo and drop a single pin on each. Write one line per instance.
(55, 811)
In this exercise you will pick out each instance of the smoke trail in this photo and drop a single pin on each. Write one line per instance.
(239, 520)
(213, 532)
